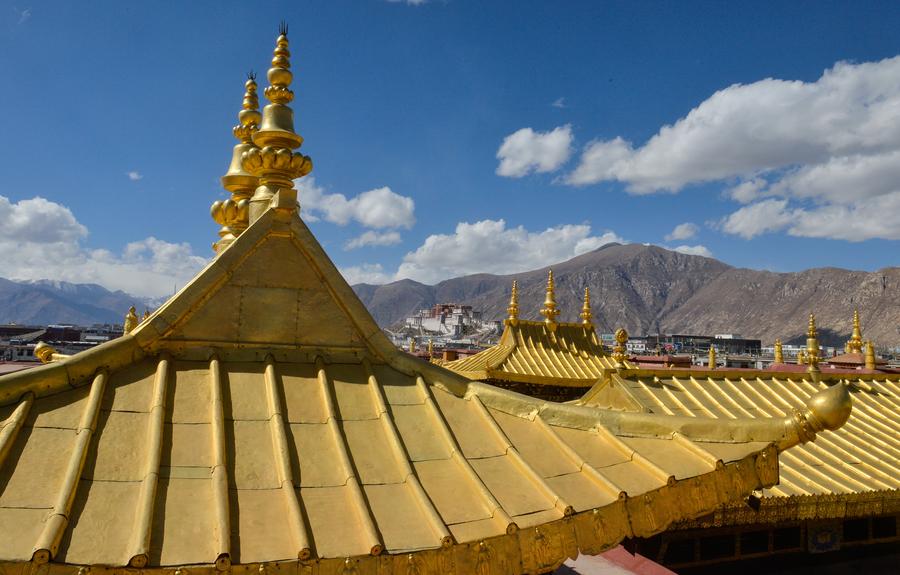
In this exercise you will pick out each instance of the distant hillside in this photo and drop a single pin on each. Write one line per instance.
(45, 302)
(648, 289)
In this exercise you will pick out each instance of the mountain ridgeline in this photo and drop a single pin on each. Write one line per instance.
(648, 289)
(46, 302)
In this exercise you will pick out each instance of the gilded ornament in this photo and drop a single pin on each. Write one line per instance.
(131, 320)
(587, 317)
(549, 310)
(779, 353)
(855, 344)
(513, 308)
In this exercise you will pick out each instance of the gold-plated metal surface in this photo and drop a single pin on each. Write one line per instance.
(712, 357)
(779, 352)
(855, 343)
(811, 357)
(870, 355)
(131, 321)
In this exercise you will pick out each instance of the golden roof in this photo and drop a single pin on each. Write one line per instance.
(542, 352)
(853, 471)
(260, 420)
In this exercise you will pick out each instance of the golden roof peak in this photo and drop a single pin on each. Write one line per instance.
(587, 317)
(231, 214)
(549, 310)
(273, 161)
(812, 346)
(779, 352)
(855, 345)
(513, 308)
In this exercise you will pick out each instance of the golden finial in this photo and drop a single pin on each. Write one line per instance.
(870, 355)
(619, 350)
(273, 161)
(779, 353)
(801, 357)
(513, 308)
(587, 317)
(231, 214)
(712, 357)
(855, 345)
(146, 315)
(549, 310)
(430, 348)
(812, 346)
(412, 345)
(131, 320)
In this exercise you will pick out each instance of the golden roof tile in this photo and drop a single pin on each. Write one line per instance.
(261, 420)
(860, 459)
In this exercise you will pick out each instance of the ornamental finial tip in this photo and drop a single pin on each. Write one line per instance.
(587, 316)
(549, 310)
(513, 308)
(812, 347)
(282, 28)
(855, 344)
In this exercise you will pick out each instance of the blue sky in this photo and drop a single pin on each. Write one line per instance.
(462, 136)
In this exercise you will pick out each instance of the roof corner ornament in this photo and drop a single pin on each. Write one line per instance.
(779, 352)
(855, 344)
(812, 349)
(827, 409)
(47, 353)
(870, 355)
(619, 350)
(549, 311)
(587, 316)
(131, 321)
(513, 308)
(273, 159)
(232, 214)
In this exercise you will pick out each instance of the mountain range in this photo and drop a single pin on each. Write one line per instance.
(648, 289)
(645, 289)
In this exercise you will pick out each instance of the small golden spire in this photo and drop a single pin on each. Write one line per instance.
(146, 315)
(549, 310)
(273, 161)
(812, 346)
(855, 345)
(870, 355)
(231, 214)
(779, 353)
(513, 307)
(412, 345)
(587, 317)
(619, 350)
(801, 357)
(131, 320)
(712, 357)
(430, 348)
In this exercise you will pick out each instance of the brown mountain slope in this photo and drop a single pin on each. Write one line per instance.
(648, 289)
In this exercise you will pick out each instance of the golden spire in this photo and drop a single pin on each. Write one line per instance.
(274, 162)
(870, 355)
(855, 345)
(232, 213)
(712, 357)
(430, 348)
(812, 346)
(131, 321)
(779, 353)
(619, 350)
(587, 317)
(513, 308)
(412, 345)
(549, 310)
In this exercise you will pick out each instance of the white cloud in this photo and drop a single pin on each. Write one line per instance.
(410, 2)
(683, 231)
(827, 149)
(526, 151)
(765, 216)
(559, 103)
(489, 246)
(373, 238)
(42, 240)
(697, 250)
(378, 208)
(24, 15)
(366, 274)
(135, 176)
